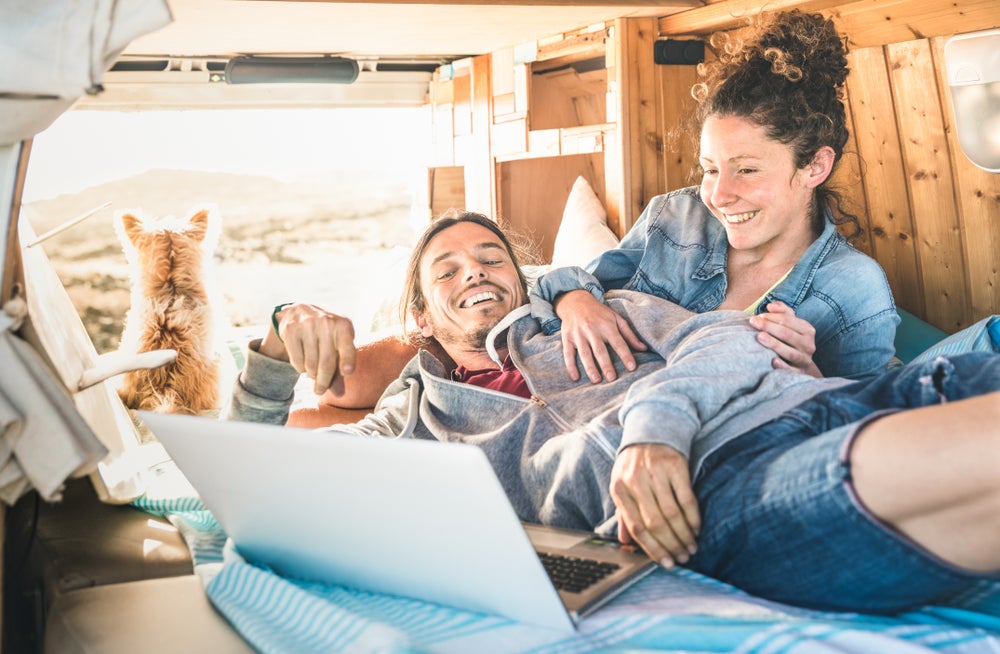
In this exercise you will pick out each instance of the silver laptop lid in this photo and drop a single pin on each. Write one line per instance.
(420, 519)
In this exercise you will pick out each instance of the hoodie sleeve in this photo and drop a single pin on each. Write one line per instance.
(263, 390)
(710, 360)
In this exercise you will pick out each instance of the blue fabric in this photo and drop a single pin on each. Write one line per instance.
(914, 336)
(983, 336)
(677, 251)
(669, 611)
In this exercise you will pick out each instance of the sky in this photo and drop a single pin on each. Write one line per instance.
(85, 148)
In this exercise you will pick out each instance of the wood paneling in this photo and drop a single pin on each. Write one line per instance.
(940, 251)
(866, 22)
(846, 180)
(679, 149)
(883, 177)
(636, 77)
(978, 202)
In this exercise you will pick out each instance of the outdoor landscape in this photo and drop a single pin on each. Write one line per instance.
(337, 239)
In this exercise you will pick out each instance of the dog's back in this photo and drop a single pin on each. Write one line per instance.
(171, 309)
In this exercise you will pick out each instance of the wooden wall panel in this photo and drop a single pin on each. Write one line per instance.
(883, 176)
(846, 180)
(639, 126)
(978, 201)
(679, 150)
(940, 250)
(866, 22)
(479, 169)
(533, 193)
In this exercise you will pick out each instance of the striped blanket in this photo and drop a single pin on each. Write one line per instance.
(668, 611)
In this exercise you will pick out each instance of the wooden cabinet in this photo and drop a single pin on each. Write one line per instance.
(590, 103)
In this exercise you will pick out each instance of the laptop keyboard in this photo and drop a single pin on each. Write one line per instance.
(573, 574)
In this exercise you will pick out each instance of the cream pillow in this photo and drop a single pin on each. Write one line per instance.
(583, 233)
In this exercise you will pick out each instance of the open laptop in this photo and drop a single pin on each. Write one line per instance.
(415, 518)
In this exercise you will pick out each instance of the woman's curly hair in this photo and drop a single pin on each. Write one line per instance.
(786, 73)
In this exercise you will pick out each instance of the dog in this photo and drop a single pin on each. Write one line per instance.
(171, 309)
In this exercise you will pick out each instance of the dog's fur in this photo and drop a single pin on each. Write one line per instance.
(171, 308)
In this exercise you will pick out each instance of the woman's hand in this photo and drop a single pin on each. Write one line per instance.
(657, 509)
(588, 329)
(792, 338)
(314, 341)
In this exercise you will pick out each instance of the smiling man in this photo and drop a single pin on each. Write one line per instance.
(729, 429)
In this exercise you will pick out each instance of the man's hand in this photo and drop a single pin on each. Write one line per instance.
(792, 338)
(657, 509)
(589, 328)
(314, 341)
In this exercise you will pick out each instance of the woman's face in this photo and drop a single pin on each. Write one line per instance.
(751, 185)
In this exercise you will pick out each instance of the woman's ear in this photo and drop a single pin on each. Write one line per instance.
(819, 169)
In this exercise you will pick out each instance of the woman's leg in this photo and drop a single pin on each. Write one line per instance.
(933, 473)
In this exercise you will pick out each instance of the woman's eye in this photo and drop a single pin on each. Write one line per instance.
(747, 171)
(709, 171)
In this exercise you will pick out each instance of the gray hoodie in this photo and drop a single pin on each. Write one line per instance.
(704, 381)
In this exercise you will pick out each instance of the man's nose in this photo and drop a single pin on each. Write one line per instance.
(474, 271)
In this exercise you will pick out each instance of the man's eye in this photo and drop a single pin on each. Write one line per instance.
(493, 262)
(446, 275)
(747, 171)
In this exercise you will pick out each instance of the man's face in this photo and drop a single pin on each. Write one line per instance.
(469, 283)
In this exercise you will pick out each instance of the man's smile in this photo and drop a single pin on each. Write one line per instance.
(478, 298)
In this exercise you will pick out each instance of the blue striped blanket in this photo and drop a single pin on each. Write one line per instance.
(668, 611)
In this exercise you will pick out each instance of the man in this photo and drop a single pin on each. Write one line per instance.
(572, 454)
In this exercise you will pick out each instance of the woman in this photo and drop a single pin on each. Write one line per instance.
(759, 235)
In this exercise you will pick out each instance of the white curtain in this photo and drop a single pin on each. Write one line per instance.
(52, 52)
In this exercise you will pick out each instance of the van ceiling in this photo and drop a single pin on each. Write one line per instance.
(396, 44)
(445, 29)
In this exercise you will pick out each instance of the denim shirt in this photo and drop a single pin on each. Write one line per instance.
(678, 251)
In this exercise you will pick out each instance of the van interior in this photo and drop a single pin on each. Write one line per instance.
(551, 117)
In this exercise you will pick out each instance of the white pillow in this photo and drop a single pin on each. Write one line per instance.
(583, 233)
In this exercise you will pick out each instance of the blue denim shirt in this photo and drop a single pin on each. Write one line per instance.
(677, 251)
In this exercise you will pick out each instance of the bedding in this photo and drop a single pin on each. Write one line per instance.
(668, 611)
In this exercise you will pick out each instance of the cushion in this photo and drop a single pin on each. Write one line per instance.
(583, 233)
(914, 336)
(984, 336)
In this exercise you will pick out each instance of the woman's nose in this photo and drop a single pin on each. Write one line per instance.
(723, 190)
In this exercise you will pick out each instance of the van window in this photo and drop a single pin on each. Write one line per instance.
(316, 205)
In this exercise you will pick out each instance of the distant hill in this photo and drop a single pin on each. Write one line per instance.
(241, 199)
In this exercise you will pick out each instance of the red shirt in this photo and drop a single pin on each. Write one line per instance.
(506, 380)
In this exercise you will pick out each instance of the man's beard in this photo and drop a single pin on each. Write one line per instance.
(474, 339)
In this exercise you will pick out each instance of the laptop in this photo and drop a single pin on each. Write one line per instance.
(408, 517)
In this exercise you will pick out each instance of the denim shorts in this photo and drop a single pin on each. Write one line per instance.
(780, 518)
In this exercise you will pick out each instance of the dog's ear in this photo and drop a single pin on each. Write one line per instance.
(131, 226)
(205, 227)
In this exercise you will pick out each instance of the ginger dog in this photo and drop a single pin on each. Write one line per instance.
(171, 308)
